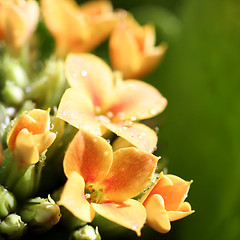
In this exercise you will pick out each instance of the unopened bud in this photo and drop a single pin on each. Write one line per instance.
(12, 94)
(13, 226)
(7, 202)
(86, 233)
(41, 213)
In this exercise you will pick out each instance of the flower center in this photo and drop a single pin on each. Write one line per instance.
(94, 194)
(104, 117)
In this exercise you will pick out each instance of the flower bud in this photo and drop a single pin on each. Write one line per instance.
(12, 94)
(7, 202)
(13, 226)
(86, 233)
(41, 213)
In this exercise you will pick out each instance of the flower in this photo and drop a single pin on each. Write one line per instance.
(164, 202)
(132, 49)
(18, 20)
(95, 103)
(104, 182)
(30, 136)
(92, 21)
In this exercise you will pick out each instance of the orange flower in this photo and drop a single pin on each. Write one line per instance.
(104, 182)
(78, 28)
(30, 136)
(164, 202)
(132, 49)
(18, 20)
(95, 103)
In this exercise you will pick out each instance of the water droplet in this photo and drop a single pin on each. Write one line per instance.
(74, 75)
(156, 129)
(128, 123)
(95, 139)
(134, 228)
(133, 118)
(84, 73)
(109, 114)
(108, 140)
(28, 89)
(140, 137)
(153, 111)
(106, 153)
(125, 127)
(103, 119)
(51, 126)
(97, 109)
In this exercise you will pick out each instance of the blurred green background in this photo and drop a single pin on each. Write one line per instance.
(199, 132)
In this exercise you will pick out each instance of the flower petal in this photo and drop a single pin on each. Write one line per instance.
(74, 200)
(139, 135)
(36, 121)
(157, 216)
(77, 109)
(129, 175)
(87, 71)
(136, 100)
(25, 149)
(43, 141)
(130, 214)
(182, 212)
(89, 155)
(174, 194)
(123, 48)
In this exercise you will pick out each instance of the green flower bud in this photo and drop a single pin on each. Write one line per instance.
(41, 213)
(86, 233)
(13, 226)
(7, 202)
(52, 82)
(25, 185)
(12, 94)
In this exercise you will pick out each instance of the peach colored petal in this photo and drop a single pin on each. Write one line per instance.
(89, 72)
(129, 175)
(165, 181)
(157, 216)
(18, 20)
(150, 60)
(136, 100)
(74, 200)
(130, 214)
(100, 19)
(137, 134)
(43, 141)
(60, 16)
(174, 194)
(36, 121)
(89, 155)
(182, 212)
(25, 149)
(123, 49)
(77, 109)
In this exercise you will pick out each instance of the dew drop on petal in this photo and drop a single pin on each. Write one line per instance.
(109, 114)
(84, 73)
(74, 75)
(156, 129)
(133, 118)
(108, 140)
(125, 127)
(97, 109)
(153, 111)
(134, 227)
(140, 137)
(95, 139)
(128, 123)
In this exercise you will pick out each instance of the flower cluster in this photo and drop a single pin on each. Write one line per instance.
(73, 146)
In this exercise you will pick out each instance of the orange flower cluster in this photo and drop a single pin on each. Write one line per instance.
(101, 178)
(131, 46)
